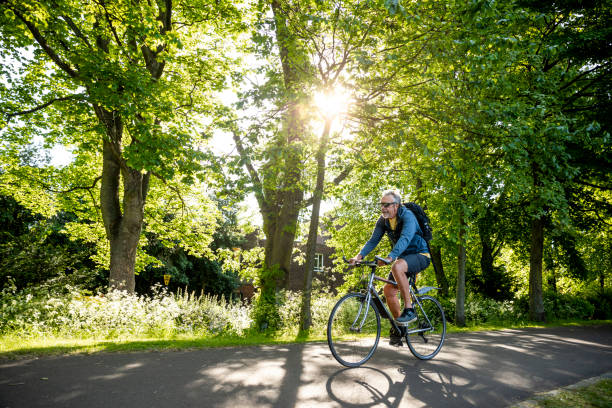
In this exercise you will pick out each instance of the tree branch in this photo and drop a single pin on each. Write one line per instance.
(145, 185)
(259, 194)
(93, 184)
(339, 178)
(77, 31)
(40, 39)
(582, 75)
(43, 106)
(110, 23)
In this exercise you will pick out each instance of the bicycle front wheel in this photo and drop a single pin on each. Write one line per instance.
(353, 330)
(426, 339)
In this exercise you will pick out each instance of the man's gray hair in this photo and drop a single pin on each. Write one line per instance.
(397, 198)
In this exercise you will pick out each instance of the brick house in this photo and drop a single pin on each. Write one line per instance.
(295, 280)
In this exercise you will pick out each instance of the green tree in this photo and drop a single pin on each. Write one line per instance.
(534, 81)
(34, 250)
(124, 85)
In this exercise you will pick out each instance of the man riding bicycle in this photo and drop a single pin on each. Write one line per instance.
(409, 254)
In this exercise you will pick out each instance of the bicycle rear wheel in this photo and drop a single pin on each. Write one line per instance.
(353, 330)
(427, 343)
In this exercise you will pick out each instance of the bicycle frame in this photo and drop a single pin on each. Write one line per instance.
(372, 296)
(352, 346)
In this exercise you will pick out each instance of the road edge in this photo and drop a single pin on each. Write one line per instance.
(534, 400)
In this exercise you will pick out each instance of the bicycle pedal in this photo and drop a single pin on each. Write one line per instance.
(397, 343)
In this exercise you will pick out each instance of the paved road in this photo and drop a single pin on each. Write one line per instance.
(486, 369)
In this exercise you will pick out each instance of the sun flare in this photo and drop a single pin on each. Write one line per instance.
(332, 103)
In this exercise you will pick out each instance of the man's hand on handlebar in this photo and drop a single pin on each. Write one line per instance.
(358, 259)
(384, 261)
(354, 260)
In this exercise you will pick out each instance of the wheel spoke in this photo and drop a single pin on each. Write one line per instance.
(425, 344)
(353, 330)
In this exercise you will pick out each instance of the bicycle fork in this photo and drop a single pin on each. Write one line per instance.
(363, 308)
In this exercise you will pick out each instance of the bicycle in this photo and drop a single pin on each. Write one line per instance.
(354, 325)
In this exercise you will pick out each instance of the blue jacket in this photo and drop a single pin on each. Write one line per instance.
(406, 239)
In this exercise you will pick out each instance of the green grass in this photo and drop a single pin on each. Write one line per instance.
(597, 395)
(489, 326)
(16, 347)
(19, 347)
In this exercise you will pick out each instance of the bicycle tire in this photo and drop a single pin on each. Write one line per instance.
(352, 347)
(425, 345)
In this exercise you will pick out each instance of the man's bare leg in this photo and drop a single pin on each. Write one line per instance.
(392, 300)
(399, 270)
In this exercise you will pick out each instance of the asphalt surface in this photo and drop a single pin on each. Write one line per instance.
(483, 369)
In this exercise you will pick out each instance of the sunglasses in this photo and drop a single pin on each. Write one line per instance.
(386, 205)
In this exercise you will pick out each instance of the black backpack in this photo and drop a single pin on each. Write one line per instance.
(422, 219)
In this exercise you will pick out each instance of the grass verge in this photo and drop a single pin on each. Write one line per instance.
(524, 325)
(19, 347)
(16, 347)
(597, 394)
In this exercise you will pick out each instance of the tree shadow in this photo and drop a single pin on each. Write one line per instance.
(369, 386)
(490, 369)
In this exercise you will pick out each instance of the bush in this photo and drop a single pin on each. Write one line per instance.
(70, 313)
(321, 304)
(567, 306)
(61, 310)
(602, 301)
(480, 310)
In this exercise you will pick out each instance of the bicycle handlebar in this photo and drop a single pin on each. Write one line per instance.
(368, 263)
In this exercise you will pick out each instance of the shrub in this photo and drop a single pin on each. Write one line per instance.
(602, 301)
(321, 304)
(567, 306)
(480, 310)
(71, 313)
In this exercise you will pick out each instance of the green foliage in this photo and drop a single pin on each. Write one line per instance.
(70, 313)
(216, 272)
(567, 307)
(267, 303)
(576, 306)
(130, 82)
(34, 250)
(602, 301)
(480, 310)
(322, 303)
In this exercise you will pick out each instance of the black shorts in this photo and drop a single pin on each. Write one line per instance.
(416, 263)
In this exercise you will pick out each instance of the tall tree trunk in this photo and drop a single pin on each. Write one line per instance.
(487, 257)
(311, 245)
(435, 251)
(282, 207)
(124, 243)
(536, 296)
(122, 225)
(279, 229)
(280, 204)
(461, 258)
(436, 259)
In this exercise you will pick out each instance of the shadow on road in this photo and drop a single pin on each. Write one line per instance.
(373, 387)
(492, 369)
